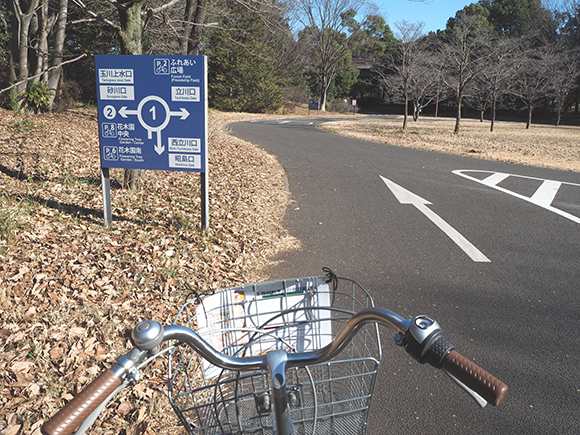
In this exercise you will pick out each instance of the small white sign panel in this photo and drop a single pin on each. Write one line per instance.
(117, 92)
(110, 75)
(185, 93)
(185, 161)
(183, 144)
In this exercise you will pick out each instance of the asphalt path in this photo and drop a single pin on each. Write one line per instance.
(516, 314)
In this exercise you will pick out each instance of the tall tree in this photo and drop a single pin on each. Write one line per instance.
(332, 31)
(519, 17)
(37, 33)
(532, 82)
(465, 48)
(564, 74)
(497, 74)
(241, 75)
(406, 62)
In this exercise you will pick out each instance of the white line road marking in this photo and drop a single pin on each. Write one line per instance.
(542, 197)
(546, 193)
(406, 197)
(494, 179)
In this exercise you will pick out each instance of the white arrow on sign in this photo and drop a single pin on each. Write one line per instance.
(406, 197)
(123, 111)
(182, 113)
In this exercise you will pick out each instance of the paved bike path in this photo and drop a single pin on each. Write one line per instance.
(514, 314)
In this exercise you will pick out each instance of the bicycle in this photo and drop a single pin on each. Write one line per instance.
(279, 357)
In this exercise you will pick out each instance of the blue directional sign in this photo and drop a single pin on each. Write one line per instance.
(152, 112)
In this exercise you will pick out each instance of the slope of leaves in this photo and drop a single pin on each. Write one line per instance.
(71, 288)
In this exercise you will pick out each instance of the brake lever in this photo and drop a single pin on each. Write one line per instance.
(478, 399)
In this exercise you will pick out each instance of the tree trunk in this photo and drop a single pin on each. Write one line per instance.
(40, 51)
(21, 27)
(325, 87)
(132, 25)
(132, 178)
(559, 113)
(196, 29)
(54, 75)
(493, 104)
(406, 110)
(187, 26)
(458, 117)
(530, 109)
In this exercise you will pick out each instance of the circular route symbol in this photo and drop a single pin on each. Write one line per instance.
(140, 114)
(109, 112)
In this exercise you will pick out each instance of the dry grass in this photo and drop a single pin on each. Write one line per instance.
(543, 146)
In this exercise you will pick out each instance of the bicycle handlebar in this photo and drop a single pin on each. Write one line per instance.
(69, 418)
(421, 337)
(486, 385)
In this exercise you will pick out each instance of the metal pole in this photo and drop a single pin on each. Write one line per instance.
(106, 185)
(204, 201)
(204, 182)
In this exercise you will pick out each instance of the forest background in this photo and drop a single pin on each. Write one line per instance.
(520, 56)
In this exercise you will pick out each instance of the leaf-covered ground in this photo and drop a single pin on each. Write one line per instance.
(70, 288)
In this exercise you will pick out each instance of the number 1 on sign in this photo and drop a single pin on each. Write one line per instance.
(152, 110)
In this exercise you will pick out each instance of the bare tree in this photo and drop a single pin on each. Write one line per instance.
(493, 81)
(37, 29)
(407, 61)
(531, 83)
(23, 26)
(333, 32)
(424, 82)
(465, 50)
(564, 75)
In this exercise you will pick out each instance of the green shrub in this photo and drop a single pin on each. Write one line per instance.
(38, 96)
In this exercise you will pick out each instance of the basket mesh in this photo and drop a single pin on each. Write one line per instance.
(329, 398)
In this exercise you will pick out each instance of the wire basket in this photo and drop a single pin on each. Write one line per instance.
(298, 315)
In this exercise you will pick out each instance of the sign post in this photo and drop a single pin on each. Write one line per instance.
(313, 105)
(152, 116)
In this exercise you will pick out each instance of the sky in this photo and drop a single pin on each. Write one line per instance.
(434, 13)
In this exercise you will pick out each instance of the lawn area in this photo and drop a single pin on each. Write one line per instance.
(541, 145)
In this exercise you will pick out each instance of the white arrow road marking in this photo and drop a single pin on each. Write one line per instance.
(406, 197)
(542, 197)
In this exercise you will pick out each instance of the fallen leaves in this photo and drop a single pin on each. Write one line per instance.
(71, 288)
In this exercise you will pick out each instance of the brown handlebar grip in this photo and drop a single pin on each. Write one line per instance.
(486, 385)
(69, 418)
